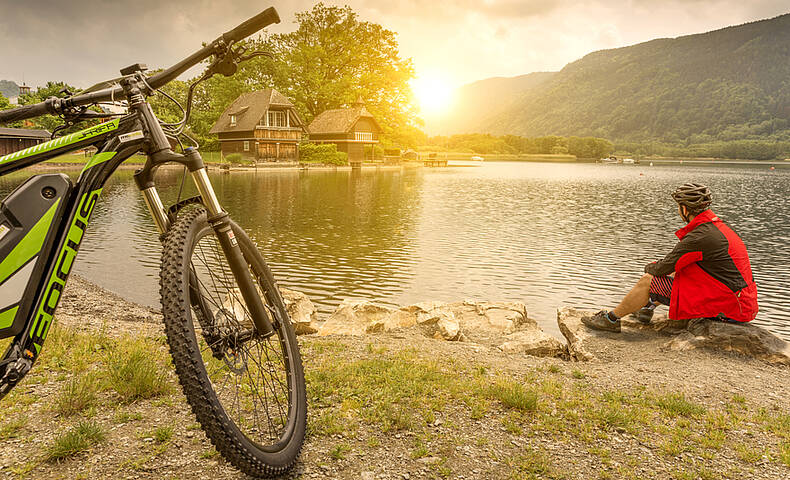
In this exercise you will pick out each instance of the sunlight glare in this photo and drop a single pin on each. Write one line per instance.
(433, 92)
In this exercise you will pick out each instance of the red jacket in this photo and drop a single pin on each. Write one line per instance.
(713, 275)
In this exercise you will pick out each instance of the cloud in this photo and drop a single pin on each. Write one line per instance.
(85, 41)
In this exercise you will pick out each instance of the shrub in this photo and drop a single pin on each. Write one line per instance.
(325, 153)
(235, 158)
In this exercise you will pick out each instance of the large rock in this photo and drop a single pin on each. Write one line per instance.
(534, 341)
(301, 311)
(499, 318)
(575, 332)
(353, 317)
(748, 339)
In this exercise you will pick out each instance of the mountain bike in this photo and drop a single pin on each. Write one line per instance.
(230, 336)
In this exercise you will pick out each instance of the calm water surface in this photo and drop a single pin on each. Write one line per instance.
(545, 234)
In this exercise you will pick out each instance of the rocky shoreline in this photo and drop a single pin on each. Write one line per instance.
(507, 326)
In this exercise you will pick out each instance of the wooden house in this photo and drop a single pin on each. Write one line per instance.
(262, 125)
(351, 129)
(16, 139)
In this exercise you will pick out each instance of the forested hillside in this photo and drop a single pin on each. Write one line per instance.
(721, 86)
(8, 88)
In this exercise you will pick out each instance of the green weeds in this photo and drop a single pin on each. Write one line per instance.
(76, 440)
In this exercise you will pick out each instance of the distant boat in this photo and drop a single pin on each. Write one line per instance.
(476, 158)
(629, 161)
(611, 159)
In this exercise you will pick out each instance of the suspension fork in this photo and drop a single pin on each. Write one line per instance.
(219, 221)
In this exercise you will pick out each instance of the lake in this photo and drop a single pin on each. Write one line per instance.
(546, 234)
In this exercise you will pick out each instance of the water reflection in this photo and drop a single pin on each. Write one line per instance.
(545, 234)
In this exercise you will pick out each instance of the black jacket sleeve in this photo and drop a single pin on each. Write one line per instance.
(692, 242)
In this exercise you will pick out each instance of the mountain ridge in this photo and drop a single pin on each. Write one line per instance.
(726, 84)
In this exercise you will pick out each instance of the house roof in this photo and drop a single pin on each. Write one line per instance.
(25, 133)
(340, 120)
(249, 108)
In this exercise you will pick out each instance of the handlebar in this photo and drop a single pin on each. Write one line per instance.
(53, 104)
(24, 112)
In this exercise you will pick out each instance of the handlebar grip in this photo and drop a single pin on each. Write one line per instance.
(258, 22)
(24, 112)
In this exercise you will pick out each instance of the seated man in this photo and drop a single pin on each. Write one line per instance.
(712, 275)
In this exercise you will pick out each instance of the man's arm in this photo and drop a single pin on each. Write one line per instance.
(686, 251)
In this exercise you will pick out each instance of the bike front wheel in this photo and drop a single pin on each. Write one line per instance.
(246, 390)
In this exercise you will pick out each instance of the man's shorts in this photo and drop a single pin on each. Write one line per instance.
(661, 292)
(661, 289)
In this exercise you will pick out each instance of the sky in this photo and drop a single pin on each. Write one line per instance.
(451, 42)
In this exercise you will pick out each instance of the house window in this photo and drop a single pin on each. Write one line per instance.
(233, 120)
(363, 136)
(246, 145)
(276, 118)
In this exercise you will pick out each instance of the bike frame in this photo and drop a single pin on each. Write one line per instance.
(116, 141)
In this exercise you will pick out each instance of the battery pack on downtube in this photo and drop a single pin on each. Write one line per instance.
(58, 272)
(28, 224)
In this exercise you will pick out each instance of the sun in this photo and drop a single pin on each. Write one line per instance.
(433, 92)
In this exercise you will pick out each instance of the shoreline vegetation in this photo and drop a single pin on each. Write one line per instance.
(214, 161)
(400, 405)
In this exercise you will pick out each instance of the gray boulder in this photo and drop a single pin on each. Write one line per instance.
(750, 340)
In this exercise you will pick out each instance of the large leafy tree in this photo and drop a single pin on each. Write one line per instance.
(333, 57)
(330, 60)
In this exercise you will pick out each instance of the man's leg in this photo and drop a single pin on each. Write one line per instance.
(636, 298)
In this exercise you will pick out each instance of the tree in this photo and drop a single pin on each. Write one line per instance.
(331, 59)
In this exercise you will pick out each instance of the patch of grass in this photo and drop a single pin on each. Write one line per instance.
(747, 454)
(675, 444)
(76, 440)
(578, 374)
(77, 394)
(326, 423)
(532, 464)
(554, 368)
(513, 394)
(338, 452)
(784, 453)
(676, 404)
(134, 373)
(420, 452)
(713, 439)
(126, 417)
(72, 351)
(11, 428)
(615, 416)
(511, 424)
(162, 434)
(210, 453)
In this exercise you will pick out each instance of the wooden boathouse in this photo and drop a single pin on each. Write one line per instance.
(351, 129)
(261, 125)
(16, 139)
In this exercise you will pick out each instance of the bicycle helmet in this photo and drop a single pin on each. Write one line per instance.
(694, 196)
